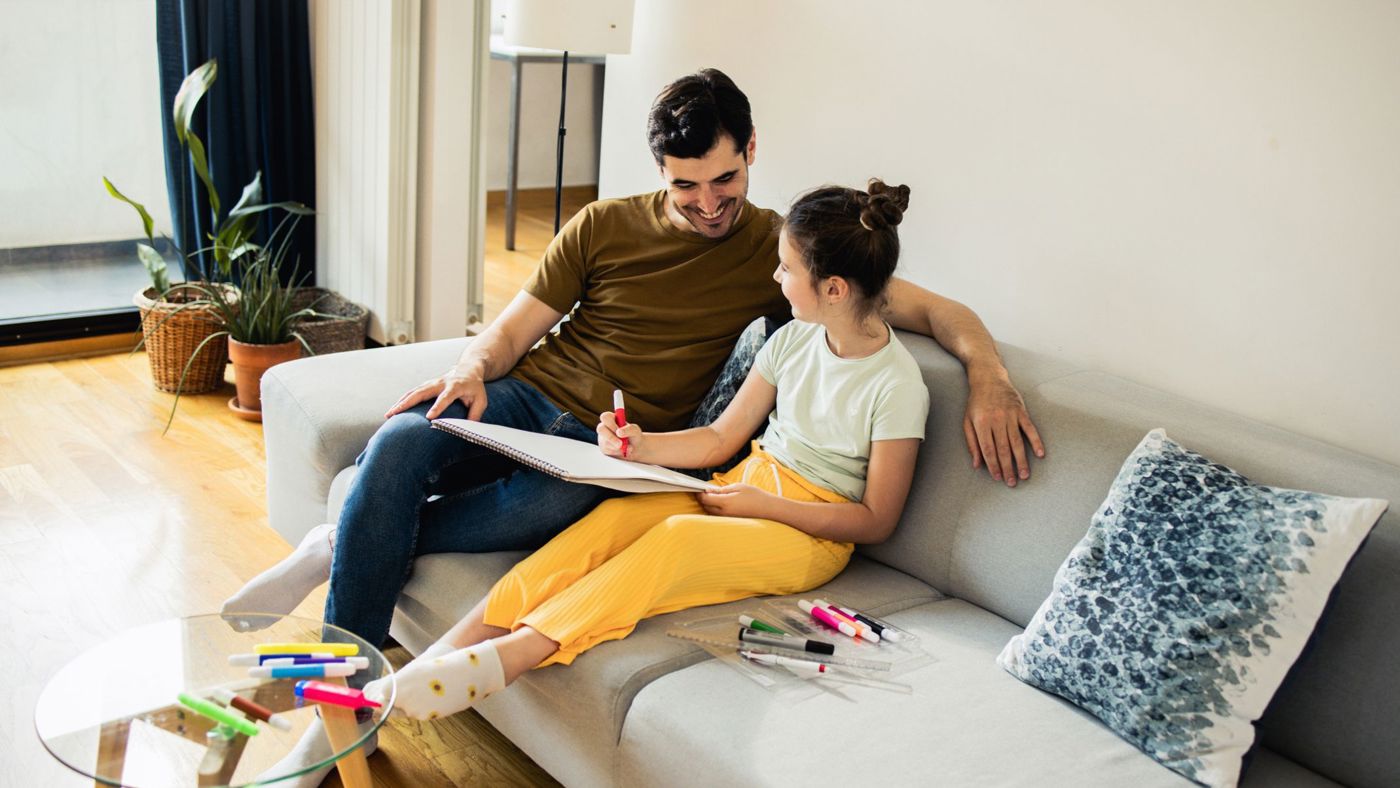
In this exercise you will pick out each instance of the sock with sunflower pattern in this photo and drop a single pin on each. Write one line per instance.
(442, 682)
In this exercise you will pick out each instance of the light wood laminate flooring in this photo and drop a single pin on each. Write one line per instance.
(107, 525)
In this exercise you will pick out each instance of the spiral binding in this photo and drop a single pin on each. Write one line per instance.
(509, 451)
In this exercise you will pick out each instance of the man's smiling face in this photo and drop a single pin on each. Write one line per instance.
(704, 195)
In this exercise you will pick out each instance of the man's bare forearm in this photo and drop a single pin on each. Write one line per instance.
(491, 355)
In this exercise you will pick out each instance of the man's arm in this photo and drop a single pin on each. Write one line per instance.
(492, 354)
(996, 415)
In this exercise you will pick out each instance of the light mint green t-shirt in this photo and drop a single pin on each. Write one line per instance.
(830, 409)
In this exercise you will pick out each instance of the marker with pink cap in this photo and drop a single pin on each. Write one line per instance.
(827, 618)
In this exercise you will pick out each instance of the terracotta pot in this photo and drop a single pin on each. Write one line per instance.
(249, 364)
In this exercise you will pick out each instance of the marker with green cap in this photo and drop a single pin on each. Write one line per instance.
(753, 623)
(218, 713)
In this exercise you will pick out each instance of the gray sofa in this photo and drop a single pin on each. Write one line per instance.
(966, 569)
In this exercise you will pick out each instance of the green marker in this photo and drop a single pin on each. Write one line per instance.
(753, 623)
(218, 713)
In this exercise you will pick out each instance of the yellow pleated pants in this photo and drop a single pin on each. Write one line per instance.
(643, 555)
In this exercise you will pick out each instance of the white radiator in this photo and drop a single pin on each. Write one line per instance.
(365, 72)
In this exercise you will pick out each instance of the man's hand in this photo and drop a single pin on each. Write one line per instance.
(737, 500)
(456, 385)
(993, 424)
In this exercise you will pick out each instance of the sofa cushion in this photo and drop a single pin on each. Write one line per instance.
(968, 723)
(1176, 617)
(583, 706)
(1001, 548)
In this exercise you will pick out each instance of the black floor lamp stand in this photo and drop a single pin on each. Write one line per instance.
(559, 152)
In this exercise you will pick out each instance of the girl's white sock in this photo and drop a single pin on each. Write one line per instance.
(444, 681)
(282, 587)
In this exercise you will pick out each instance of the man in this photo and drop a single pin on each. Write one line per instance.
(657, 287)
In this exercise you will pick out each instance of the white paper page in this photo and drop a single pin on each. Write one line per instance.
(578, 461)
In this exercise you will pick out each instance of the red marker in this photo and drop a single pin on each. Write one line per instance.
(321, 692)
(621, 415)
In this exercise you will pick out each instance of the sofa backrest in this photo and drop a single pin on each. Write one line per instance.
(999, 548)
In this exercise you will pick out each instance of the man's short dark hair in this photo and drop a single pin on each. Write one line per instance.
(689, 115)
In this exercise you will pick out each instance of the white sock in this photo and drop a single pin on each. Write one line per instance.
(444, 681)
(282, 587)
(313, 747)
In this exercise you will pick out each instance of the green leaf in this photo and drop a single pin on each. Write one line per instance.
(194, 87)
(252, 195)
(290, 206)
(155, 266)
(201, 168)
(147, 222)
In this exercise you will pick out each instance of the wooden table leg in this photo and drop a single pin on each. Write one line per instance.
(111, 748)
(342, 731)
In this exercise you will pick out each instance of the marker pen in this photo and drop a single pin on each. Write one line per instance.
(753, 623)
(864, 629)
(801, 667)
(334, 694)
(884, 630)
(255, 710)
(785, 641)
(332, 649)
(621, 414)
(826, 618)
(301, 671)
(359, 663)
(219, 714)
(258, 659)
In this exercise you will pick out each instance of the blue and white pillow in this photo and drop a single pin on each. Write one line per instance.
(1177, 616)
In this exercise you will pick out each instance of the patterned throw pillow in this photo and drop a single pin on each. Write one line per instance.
(1177, 616)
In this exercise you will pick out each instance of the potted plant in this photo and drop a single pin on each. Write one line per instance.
(180, 329)
(260, 319)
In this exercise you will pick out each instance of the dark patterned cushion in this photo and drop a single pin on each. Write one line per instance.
(1177, 616)
(731, 377)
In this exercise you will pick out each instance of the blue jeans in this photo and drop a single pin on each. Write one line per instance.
(487, 503)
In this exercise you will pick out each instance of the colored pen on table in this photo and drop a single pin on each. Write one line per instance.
(334, 694)
(753, 623)
(255, 710)
(884, 630)
(621, 414)
(302, 671)
(292, 659)
(219, 714)
(825, 617)
(864, 629)
(331, 649)
(785, 641)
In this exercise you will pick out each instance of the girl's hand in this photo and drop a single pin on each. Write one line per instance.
(610, 437)
(738, 500)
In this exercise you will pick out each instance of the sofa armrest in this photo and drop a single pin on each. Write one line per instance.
(319, 412)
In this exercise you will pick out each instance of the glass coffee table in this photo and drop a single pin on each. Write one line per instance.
(112, 714)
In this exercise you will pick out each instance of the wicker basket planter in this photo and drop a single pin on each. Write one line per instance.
(325, 335)
(172, 335)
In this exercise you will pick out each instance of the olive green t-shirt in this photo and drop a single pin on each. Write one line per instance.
(654, 311)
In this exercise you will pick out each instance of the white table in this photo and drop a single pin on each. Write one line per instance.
(518, 57)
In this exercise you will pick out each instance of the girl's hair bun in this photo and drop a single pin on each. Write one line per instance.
(883, 205)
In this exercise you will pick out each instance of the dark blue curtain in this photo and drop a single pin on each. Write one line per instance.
(257, 116)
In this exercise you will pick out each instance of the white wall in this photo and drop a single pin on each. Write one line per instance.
(539, 125)
(79, 99)
(1199, 196)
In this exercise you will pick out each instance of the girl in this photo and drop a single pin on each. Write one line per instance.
(845, 405)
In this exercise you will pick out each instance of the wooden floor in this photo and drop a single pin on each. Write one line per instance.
(106, 525)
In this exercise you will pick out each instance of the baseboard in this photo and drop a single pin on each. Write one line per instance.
(543, 198)
(34, 353)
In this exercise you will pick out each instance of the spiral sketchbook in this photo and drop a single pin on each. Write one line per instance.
(571, 460)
